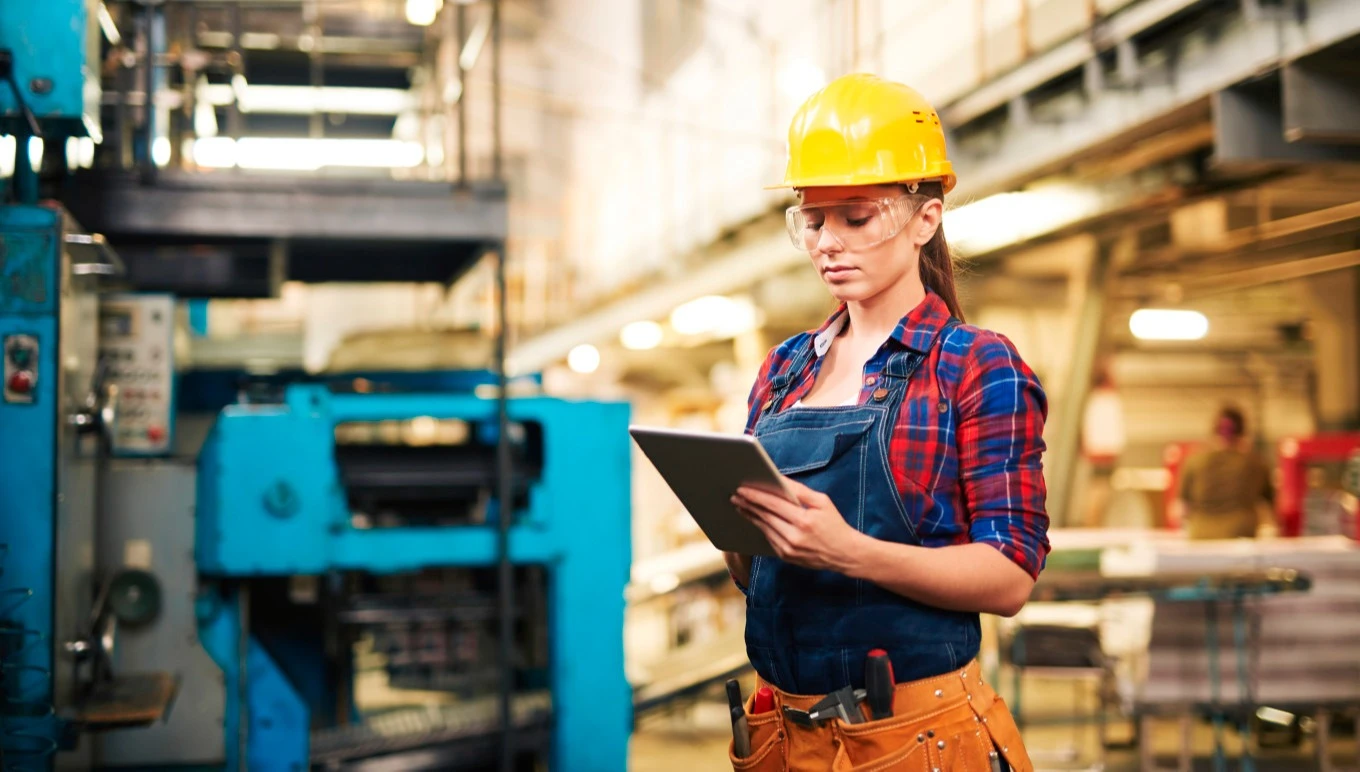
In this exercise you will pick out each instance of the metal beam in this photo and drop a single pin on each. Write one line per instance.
(1217, 60)
(247, 206)
(1269, 274)
(1249, 129)
(1322, 99)
(1061, 59)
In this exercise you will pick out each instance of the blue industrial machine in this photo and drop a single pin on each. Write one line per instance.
(310, 487)
(53, 404)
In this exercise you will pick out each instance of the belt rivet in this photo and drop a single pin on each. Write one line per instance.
(939, 692)
(940, 745)
(984, 719)
(920, 738)
(930, 733)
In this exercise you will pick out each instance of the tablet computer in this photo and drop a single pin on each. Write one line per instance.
(704, 469)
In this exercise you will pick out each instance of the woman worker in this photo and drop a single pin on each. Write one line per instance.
(913, 444)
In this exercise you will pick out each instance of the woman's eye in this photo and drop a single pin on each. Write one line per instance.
(813, 225)
(857, 222)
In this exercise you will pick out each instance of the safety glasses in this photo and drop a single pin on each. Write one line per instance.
(855, 224)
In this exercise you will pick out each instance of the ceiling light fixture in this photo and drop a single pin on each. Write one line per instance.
(640, 336)
(1168, 324)
(584, 359)
(422, 13)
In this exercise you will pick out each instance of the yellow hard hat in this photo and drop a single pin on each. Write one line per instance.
(863, 130)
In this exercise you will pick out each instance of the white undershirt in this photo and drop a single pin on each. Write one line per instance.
(852, 401)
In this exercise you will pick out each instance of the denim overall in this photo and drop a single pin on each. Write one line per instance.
(808, 631)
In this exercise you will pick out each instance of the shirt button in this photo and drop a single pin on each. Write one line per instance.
(944, 407)
(870, 381)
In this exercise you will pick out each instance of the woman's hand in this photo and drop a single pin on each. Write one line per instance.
(811, 533)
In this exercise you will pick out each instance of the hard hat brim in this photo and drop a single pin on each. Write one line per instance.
(947, 183)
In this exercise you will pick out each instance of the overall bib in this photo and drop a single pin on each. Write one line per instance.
(808, 632)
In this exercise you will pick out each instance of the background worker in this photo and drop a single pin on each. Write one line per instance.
(1225, 490)
(914, 443)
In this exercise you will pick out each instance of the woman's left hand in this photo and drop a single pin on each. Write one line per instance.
(811, 533)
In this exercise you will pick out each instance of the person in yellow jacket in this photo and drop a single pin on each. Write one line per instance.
(913, 441)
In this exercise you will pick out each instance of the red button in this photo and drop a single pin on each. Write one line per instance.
(21, 382)
(155, 433)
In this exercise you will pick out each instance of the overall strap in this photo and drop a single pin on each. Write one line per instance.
(781, 383)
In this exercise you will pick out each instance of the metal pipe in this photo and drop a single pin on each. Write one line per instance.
(148, 164)
(311, 13)
(461, 107)
(236, 60)
(1066, 445)
(505, 495)
(496, 89)
(243, 681)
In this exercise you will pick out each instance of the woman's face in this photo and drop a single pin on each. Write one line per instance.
(854, 273)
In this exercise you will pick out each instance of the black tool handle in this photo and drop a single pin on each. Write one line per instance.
(879, 684)
(741, 737)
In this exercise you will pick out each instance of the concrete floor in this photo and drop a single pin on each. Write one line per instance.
(694, 739)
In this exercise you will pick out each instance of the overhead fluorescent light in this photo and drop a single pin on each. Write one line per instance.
(422, 13)
(302, 154)
(716, 314)
(1168, 324)
(473, 48)
(585, 358)
(640, 336)
(307, 100)
(1006, 218)
(108, 26)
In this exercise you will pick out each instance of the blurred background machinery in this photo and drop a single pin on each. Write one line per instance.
(219, 568)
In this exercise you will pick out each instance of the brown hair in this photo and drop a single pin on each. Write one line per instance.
(936, 263)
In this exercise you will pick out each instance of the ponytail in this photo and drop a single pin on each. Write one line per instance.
(936, 264)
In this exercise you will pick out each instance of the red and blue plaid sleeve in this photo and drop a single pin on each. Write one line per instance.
(1002, 409)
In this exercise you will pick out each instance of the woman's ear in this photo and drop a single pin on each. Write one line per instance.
(927, 222)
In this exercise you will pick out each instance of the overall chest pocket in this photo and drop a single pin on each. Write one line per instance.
(800, 446)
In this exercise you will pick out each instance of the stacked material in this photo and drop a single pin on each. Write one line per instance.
(1300, 648)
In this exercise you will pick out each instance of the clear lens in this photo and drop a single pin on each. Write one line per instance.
(856, 224)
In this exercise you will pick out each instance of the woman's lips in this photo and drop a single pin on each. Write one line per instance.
(837, 271)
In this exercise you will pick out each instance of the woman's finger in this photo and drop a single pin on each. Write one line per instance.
(775, 505)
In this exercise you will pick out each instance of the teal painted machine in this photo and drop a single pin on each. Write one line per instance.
(277, 497)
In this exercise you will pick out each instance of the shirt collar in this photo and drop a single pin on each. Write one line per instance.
(917, 330)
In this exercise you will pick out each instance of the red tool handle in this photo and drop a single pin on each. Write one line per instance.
(879, 683)
(764, 701)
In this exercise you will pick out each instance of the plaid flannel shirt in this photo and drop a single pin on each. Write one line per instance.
(987, 484)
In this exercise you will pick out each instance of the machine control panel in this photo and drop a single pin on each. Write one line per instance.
(21, 369)
(136, 346)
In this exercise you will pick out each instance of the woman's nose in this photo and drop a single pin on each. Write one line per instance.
(827, 242)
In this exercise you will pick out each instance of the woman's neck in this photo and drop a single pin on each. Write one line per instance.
(874, 319)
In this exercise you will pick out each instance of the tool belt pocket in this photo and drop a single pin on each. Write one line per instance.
(768, 745)
(885, 745)
(998, 727)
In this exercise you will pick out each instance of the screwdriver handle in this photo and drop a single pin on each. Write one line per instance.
(879, 684)
(764, 702)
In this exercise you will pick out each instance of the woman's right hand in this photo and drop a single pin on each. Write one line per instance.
(739, 566)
